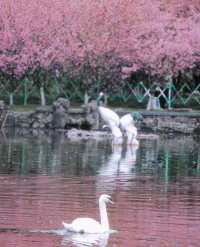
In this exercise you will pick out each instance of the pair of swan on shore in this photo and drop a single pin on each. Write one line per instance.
(89, 225)
(119, 125)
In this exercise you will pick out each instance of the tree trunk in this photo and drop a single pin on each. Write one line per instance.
(11, 99)
(42, 96)
(86, 98)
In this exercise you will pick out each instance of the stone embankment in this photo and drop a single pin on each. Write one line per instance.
(58, 116)
(61, 116)
(179, 122)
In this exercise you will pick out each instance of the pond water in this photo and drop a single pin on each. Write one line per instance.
(45, 180)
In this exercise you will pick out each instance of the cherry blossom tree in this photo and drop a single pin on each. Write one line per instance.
(159, 36)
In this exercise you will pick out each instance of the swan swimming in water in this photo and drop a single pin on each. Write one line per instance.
(89, 225)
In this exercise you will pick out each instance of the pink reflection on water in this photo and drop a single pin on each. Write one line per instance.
(152, 216)
(33, 240)
(145, 213)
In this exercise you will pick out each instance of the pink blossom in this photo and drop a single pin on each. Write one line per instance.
(161, 36)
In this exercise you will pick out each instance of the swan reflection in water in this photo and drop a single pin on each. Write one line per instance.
(118, 165)
(127, 162)
(86, 239)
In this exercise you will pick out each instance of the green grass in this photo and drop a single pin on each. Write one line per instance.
(23, 108)
(33, 107)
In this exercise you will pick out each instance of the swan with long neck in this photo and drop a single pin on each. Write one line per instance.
(89, 225)
(118, 125)
(111, 119)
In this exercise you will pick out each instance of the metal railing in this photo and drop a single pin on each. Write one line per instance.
(27, 92)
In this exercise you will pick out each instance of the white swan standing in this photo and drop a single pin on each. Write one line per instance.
(116, 124)
(89, 225)
(128, 126)
(112, 120)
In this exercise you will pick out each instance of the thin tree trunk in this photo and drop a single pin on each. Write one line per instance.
(86, 98)
(11, 99)
(42, 96)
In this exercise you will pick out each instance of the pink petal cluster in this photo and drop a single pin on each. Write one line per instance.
(159, 36)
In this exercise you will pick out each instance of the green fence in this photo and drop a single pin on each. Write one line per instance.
(172, 95)
(138, 93)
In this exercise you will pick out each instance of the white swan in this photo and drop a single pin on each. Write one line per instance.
(89, 225)
(116, 133)
(116, 124)
(112, 120)
(128, 126)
